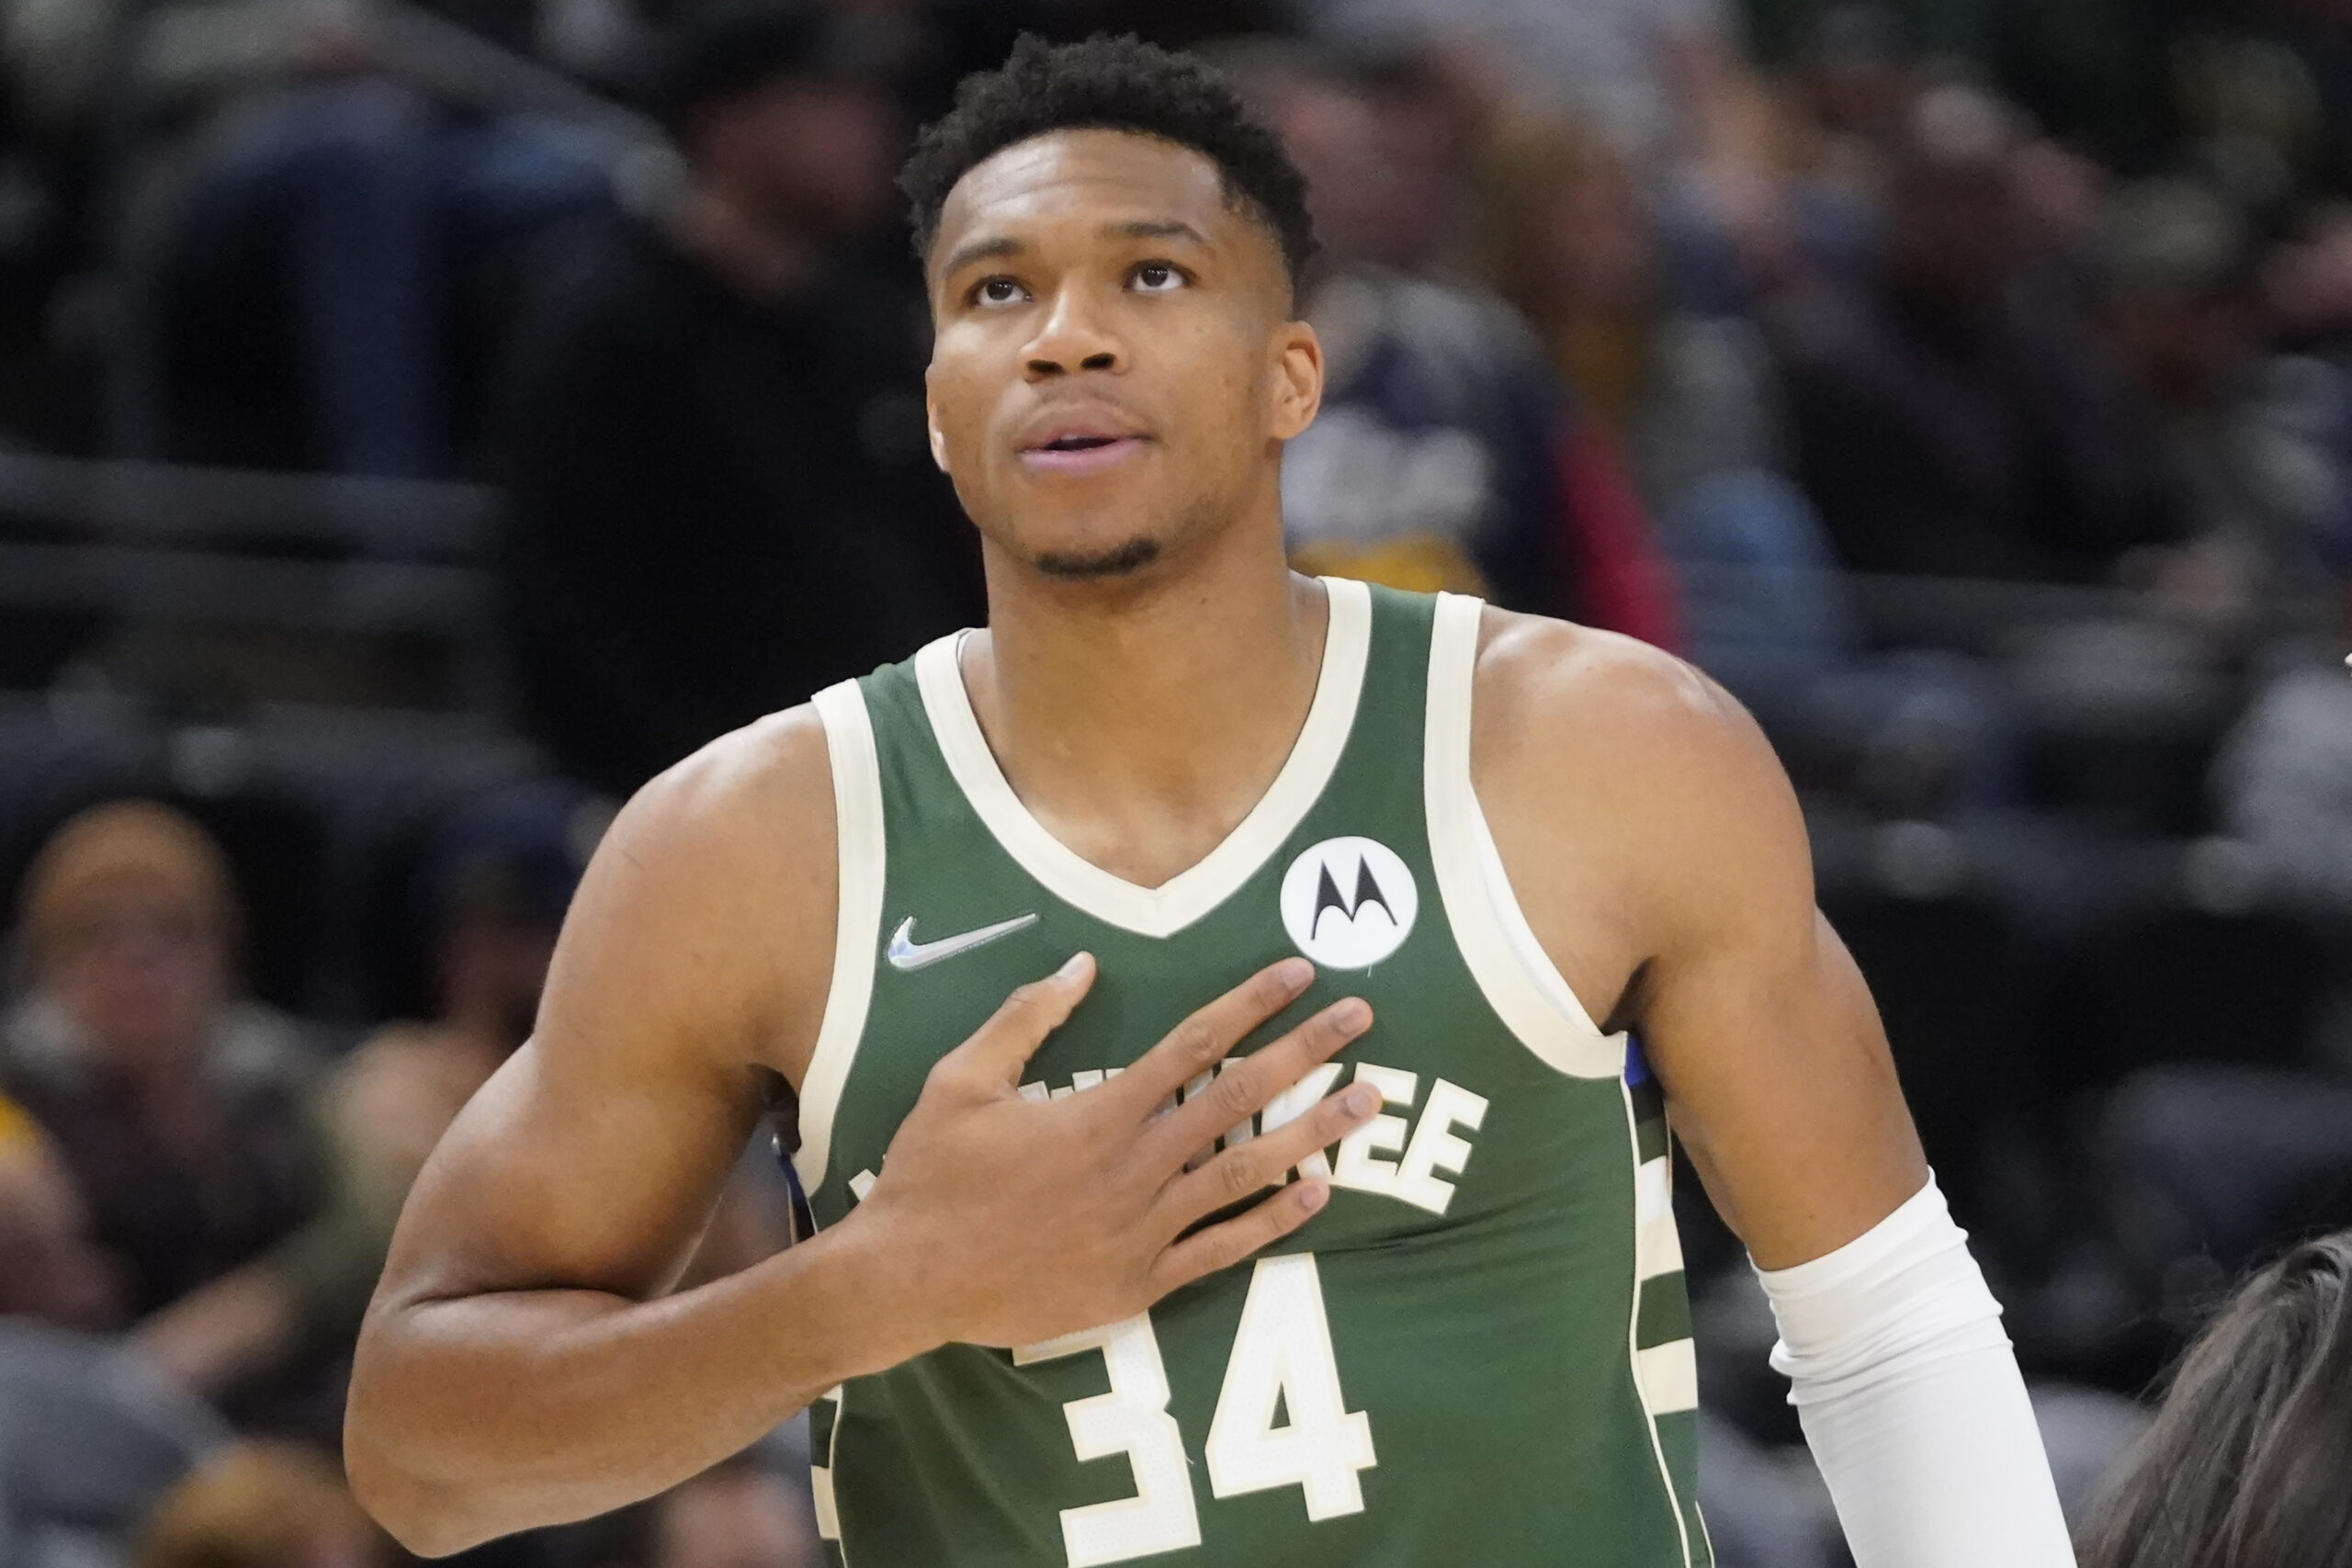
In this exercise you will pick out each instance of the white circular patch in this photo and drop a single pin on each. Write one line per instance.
(1349, 902)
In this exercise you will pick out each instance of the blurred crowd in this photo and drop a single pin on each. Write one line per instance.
(1967, 386)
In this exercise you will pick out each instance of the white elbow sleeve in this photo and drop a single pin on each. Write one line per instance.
(1912, 1402)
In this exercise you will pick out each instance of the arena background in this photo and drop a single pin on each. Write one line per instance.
(420, 423)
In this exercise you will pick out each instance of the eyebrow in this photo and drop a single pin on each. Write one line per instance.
(1154, 229)
(997, 245)
(980, 250)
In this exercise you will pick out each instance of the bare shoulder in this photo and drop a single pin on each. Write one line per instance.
(1614, 773)
(712, 896)
(761, 791)
(1557, 697)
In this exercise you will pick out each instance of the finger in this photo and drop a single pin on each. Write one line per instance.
(1197, 1044)
(1224, 1244)
(1260, 1163)
(998, 1051)
(1246, 1087)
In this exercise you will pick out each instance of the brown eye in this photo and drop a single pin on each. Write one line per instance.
(997, 291)
(1157, 277)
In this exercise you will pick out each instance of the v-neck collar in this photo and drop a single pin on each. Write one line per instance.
(1184, 898)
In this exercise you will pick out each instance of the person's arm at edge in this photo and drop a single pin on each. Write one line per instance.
(1686, 833)
(1778, 1078)
(701, 936)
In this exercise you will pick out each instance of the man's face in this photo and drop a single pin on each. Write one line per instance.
(1113, 368)
(140, 975)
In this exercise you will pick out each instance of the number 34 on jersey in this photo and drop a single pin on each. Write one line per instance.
(1281, 1360)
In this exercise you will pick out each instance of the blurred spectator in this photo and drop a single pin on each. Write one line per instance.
(1854, 80)
(2244, 1465)
(738, 1514)
(2209, 1167)
(723, 495)
(2284, 784)
(1567, 242)
(1568, 239)
(501, 882)
(261, 1505)
(330, 186)
(49, 1270)
(2307, 283)
(1446, 454)
(1788, 178)
(88, 1437)
(180, 1108)
(1566, 236)
(1951, 417)
(1616, 60)
(2254, 437)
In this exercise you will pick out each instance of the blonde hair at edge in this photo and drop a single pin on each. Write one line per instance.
(20, 1140)
(259, 1505)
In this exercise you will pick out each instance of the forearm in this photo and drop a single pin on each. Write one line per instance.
(475, 1416)
(1911, 1400)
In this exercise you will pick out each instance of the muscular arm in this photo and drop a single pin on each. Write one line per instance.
(520, 1338)
(1662, 863)
(1660, 857)
(523, 1362)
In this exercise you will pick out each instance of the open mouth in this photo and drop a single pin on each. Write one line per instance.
(1081, 454)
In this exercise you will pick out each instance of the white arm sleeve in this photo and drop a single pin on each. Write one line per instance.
(1912, 1402)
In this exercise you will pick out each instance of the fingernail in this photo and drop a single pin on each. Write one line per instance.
(1313, 1195)
(1075, 967)
(1353, 1014)
(1361, 1101)
(1296, 973)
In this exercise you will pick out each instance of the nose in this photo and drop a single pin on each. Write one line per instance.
(1073, 338)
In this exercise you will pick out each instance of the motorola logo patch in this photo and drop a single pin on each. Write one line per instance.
(1349, 902)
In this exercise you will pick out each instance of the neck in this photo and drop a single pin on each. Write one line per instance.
(1140, 721)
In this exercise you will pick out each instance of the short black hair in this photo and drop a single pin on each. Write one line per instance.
(1111, 84)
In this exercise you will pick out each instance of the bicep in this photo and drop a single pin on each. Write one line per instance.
(566, 1173)
(1781, 1086)
(1661, 840)
(694, 954)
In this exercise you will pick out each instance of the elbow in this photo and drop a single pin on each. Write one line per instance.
(428, 1515)
(422, 1517)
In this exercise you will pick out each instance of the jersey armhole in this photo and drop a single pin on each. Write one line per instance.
(1519, 981)
(857, 920)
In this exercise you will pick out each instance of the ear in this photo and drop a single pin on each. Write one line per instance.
(1296, 393)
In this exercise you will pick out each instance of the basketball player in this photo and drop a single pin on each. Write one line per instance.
(1370, 896)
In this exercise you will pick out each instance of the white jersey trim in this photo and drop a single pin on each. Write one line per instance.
(1522, 984)
(857, 920)
(1164, 910)
(1665, 1377)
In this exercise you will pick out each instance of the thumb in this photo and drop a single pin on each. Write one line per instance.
(996, 1053)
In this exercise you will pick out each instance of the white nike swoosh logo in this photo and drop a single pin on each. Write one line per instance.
(905, 953)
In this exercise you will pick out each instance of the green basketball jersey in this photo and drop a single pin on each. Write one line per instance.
(1478, 1354)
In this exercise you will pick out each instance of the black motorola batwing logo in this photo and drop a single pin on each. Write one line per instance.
(1327, 897)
